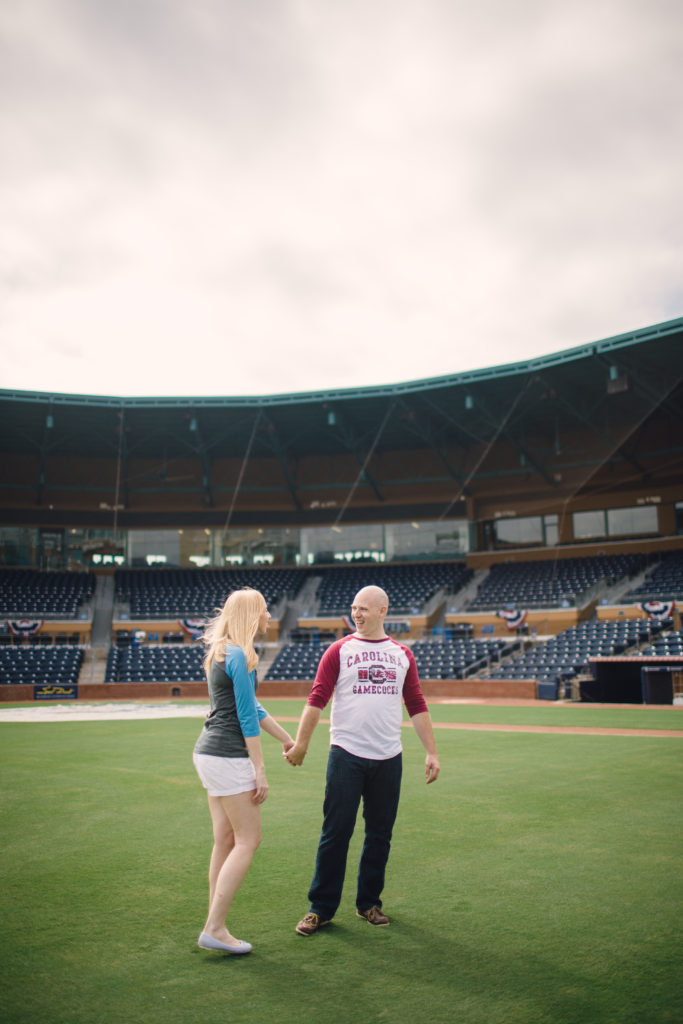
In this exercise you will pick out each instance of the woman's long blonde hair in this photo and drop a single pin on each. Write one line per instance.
(237, 622)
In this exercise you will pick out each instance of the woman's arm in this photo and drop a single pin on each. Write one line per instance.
(256, 756)
(246, 704)
(273, 728)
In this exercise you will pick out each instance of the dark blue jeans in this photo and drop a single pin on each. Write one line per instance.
(351, 779)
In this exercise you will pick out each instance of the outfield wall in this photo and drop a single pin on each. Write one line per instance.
(456, 689)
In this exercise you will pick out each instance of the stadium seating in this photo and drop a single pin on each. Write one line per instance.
(670, 645)
(297, 661)
(25, 593)
(538, 584)
(458, 658)
(163, 664)
(435, 659)
(306, 635)
(39, 665)
(408, 586)
(563, 657)
(665, 583)
(171, 593)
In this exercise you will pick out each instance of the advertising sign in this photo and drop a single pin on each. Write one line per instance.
(55, 691)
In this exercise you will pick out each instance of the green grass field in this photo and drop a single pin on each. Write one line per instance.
(539, 880)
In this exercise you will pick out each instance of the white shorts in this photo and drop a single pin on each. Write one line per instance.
(225, 776)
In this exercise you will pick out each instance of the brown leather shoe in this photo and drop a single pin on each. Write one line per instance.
(374, 916)
(309, 924)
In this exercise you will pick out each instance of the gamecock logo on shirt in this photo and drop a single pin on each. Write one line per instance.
(379, 674)
(377, 680)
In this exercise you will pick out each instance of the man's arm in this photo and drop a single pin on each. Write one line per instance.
(310, 717)
(422, 724)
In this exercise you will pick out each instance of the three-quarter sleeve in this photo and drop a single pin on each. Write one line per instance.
(243, 684)
(412, 691)
(325, 678)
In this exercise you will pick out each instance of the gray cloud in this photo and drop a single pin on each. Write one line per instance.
(291, 196)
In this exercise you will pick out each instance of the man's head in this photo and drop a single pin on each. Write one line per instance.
(368, 611)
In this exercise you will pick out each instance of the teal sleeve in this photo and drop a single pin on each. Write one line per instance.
(244, 686)
(261, 711)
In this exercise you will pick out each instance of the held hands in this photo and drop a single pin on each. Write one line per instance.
(295, 754)
(432, 768)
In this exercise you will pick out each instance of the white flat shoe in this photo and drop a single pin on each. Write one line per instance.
(208, 942)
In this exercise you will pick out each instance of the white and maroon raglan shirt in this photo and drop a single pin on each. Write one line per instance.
(367, 681)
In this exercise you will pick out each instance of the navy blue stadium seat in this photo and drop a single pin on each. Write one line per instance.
(197, 593)
(39, 664)
(665, 582)
(297, 661)
(550, 584)
(456, 658)
(162, 664)
(408, 586)
(670, 645)
(561, 658)
(26, 593)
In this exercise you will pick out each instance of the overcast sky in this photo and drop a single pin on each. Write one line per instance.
(227, 197)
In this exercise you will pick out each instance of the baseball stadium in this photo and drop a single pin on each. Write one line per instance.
(526, 521)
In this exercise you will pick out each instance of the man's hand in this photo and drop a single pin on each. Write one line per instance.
(432, 768)
(310, 717)
(422, 725)
(295, 755)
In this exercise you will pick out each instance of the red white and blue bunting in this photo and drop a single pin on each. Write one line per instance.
(25, 627)
(513, 619)
(194, 627)
(659, 609)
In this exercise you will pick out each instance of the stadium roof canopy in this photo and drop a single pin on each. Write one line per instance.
(603, 416)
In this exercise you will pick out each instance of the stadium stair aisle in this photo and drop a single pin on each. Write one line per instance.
(300, 606)
(103, 611)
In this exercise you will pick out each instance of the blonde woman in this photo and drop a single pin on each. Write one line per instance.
(228, 756)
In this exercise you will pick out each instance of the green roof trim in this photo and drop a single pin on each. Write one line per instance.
(607, 345)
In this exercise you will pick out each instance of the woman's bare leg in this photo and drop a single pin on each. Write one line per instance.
(223, 842)
(241, 816)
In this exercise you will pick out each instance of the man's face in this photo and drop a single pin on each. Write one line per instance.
(368, 613)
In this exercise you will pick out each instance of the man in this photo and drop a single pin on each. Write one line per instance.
(369, 675)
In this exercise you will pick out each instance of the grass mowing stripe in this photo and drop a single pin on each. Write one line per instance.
(581, 715)
(536, 881)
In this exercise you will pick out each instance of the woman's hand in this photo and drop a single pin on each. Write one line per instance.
(261, 791)
(287, 746)
(296, 754)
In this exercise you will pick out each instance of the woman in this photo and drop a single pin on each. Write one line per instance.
(228, 756)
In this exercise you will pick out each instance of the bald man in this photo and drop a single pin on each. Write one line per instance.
(369, 676)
